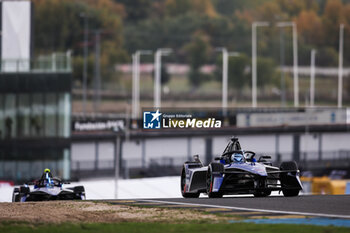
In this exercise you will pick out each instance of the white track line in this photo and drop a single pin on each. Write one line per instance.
(252, 209)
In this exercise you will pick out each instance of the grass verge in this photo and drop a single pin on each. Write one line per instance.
(132, 227)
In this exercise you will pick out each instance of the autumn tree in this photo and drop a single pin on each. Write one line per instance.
(178, 7)
(332, 18)
(310, 27)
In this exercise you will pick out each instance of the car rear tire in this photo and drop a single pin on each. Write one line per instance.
(80, 191)
(82, 196)
(287, 166)
(291, 165)
(24, 190)
(182, 186)
(15, 195)
(290, 192)
(210, 180)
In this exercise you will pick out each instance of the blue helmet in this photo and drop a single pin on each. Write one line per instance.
(237, 158)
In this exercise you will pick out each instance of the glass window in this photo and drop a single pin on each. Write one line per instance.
(30, 164)
(64, 109)
(2, 117)
(10, 116)
(50, 115)
(23, 116)
(37, 117)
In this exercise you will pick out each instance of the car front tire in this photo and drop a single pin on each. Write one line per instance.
(182, 186)
(210, 183)
(286, 166)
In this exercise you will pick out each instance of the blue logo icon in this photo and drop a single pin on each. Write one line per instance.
(151, 120)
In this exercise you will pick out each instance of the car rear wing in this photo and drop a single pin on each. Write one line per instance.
(246, 172)
(284, 171)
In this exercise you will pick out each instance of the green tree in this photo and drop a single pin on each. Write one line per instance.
(60, 27)
(266, 70)
(198, 51)
(327, 56)
(165, 76)
(179, 7)
(238, 71)
(136, 10)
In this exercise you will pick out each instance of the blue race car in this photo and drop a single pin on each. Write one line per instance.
(47, 188)
(238, 172)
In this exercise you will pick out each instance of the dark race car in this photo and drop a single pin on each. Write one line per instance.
(47, 188)
(238, 172)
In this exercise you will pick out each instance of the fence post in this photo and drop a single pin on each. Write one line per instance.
(53, 62)
(208, 150)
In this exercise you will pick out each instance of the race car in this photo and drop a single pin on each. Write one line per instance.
(47, 188)
(238, 172)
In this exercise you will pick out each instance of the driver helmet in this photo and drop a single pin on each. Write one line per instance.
(47, 174)
(47, 178)
(237, 158)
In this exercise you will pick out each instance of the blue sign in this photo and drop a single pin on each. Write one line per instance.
(151, 120)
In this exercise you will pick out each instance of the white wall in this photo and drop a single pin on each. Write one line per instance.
(178, 147)
(106, 151)
(132, 149)
(83, 151)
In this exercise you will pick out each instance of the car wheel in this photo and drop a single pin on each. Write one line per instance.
(82, 196)
(79, 192)
(210, 182)
(15, 195)
(291, 165)
(287, 181)
(290, 192)
(183, 183)
(22, 197)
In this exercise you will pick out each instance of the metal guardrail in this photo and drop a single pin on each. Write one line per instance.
(92, 165)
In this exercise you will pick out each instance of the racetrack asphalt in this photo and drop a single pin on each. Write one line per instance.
(313, 204)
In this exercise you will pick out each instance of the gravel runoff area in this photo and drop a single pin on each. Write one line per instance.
(98, 212)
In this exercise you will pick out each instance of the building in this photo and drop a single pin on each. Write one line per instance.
(35, 114)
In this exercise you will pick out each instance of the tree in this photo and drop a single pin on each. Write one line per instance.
(136, 10)
(238, 71)
(293, 8)
(198, 51)
(60, 27)
(266, 69)
(238, 74)
(327, 56)
(332, 18)
(310, 27)
(178, 7)
(165, 77)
